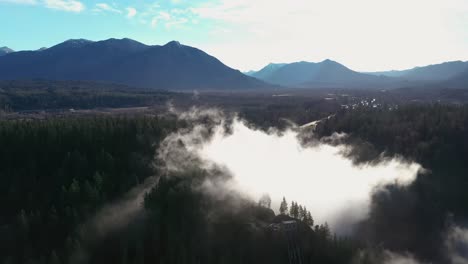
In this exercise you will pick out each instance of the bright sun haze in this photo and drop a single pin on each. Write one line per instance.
(366, 35)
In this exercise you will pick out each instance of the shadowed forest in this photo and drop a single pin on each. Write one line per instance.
(233, 132)
(59, 174)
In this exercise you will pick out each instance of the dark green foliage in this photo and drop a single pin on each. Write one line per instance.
(283, 207)
(436, 136)
(56, 173)
(54, 95)
(187, 225)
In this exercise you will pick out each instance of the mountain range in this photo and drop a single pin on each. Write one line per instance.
(172, 66)
(317, 74)
(329, 73)
(435, 72)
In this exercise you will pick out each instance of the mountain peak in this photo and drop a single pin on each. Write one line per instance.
(124, 43)
(173, 43)
(125, 61)
(273, 65)
(77, 41)
(5, 50)
(125, 40)
(73, 43)
(328, 61)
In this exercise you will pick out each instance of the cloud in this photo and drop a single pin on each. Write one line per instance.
(164, 15)
(154, 22)
(176, 22)
(456, 249)
(394, 258)
(457, 245)
(317, 29)
(22, 2)
(131, 12)
(107, 7)
(157, 14)
(318, 175)
(169, 20)
(179, 11)
(65, 5)
(112, 217)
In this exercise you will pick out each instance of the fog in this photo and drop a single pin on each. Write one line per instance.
(319, 175)
(455, 247)
(456, 244)
(111, 218)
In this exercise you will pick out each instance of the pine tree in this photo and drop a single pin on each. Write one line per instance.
(309, 220)
(304, 214)
(283, 207)
(325, 231)
(292, 209)
(54, 258)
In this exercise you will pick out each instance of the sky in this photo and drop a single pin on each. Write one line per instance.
(365, 35)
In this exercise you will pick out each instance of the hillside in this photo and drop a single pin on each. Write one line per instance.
(435, 72)
(172, 66)
(5, 51)
(320, 74)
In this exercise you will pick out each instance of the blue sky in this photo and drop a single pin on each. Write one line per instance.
(247, 34)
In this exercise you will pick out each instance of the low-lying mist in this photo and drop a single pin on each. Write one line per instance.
(247, 162)
(318, 175)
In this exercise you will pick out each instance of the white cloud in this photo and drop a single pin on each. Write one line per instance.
(65, 5)
(164, 15)
(319, 176)
(179, 11)
(395, 258)
(131, 12)
(23, 2)
(456, 249)
(154, 22)
(364, 34)
(457, 245)
(107, 7)
(176, 22)
(168, 20)
(150, 10)
(167, 17)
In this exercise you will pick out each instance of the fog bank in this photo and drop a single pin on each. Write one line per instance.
(318, 175)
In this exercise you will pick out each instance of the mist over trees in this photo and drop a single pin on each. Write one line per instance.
(57, 174)
(296, 211)
(415, 218)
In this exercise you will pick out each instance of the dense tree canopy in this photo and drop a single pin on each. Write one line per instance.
(436, 136)
(57, 173)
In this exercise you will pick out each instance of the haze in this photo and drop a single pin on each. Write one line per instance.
(365, 35)
(319, 176)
